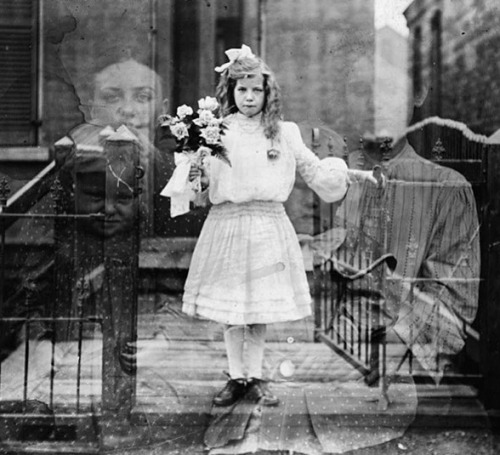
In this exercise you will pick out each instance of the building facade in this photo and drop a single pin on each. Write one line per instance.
(454, 55)
(322, 53)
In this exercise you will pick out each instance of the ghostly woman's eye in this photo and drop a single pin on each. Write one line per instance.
(144, 96)
(110, 96)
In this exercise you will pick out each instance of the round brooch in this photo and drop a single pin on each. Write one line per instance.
(273, 154)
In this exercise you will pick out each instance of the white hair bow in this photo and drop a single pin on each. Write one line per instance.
(235, 54)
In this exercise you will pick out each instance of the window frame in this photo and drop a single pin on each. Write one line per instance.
(32, 150)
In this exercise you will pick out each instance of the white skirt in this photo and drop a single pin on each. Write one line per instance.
(247, 267)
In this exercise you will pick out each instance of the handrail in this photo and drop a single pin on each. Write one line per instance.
(28, 195)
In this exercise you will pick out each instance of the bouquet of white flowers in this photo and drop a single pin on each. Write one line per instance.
(198, 134)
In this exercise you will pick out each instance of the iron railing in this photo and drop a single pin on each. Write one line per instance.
(86, 323)
(351, 309)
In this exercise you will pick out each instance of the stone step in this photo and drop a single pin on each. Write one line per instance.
(160, 315)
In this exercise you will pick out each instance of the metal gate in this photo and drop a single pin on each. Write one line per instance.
(68, 294)
(352, 308)
(350, 303)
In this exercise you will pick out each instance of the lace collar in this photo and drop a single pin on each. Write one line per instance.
(246, 124)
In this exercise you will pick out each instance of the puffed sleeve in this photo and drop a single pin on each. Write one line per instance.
(327, 177)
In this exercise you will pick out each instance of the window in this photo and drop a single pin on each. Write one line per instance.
(18, 78)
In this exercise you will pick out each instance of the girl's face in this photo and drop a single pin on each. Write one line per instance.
(249, 95)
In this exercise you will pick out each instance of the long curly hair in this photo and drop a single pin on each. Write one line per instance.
(251, 67)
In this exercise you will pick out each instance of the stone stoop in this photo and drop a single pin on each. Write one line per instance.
(165, 253)
(164, 262)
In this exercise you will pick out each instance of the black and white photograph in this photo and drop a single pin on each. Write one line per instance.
(234, 227)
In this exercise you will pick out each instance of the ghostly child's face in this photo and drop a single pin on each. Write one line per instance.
(249, 95)
(109, 193)
(126, 93)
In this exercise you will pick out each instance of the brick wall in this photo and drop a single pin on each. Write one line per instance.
(470, 87)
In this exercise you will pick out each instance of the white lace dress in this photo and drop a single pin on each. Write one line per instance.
(247, 266)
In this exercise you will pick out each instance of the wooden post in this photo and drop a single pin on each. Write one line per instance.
(121, 253)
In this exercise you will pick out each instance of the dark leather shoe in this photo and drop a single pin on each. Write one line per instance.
(231, 393)
(259, 391)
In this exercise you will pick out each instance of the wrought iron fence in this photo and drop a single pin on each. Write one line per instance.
(69, 306)
(353, 307)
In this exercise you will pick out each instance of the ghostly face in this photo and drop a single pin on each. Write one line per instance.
(109, 193)
(249, 95)
(127, 93)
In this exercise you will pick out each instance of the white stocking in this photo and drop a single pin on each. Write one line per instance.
(255, 343)
(234, 338)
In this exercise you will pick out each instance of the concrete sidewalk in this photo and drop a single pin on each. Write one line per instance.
(325, 405)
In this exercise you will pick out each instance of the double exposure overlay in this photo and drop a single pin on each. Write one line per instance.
(249, 226)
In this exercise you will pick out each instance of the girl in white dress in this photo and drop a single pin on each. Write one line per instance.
(247, 268)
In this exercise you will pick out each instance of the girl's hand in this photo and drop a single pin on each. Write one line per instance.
(194, 172)
(198, 171)
(376, 176)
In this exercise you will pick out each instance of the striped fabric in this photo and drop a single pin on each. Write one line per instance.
(426, 217)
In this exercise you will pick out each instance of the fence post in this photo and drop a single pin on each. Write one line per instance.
(119, 327)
